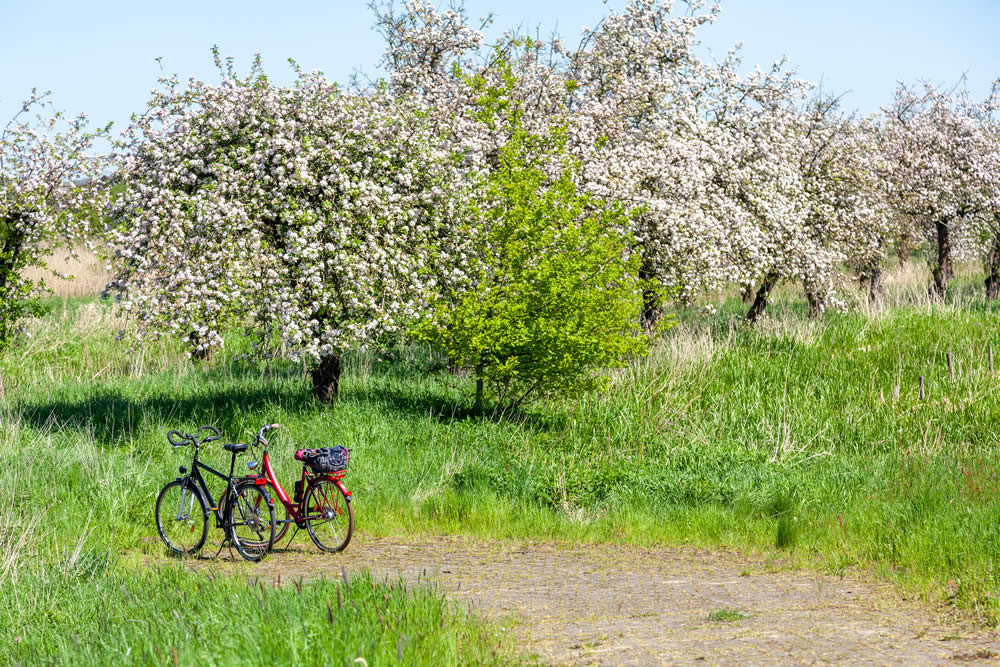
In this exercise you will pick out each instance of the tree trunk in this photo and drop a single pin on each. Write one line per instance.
(904, 246)
(943, 271)
(875, 290)
(326, 378)
(478, 407)
(760, 301)
(993, 270)
(204, 354)
(816, 306)
(651, 310)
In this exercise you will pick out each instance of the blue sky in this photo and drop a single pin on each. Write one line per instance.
(99, 57)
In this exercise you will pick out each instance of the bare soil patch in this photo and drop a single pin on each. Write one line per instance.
(610, 605)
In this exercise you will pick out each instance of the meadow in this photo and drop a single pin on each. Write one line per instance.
(804, 439)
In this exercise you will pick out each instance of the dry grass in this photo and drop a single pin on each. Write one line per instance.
(909, 285)
(686, 346)
(792, 327)
(87, 273)
(78, 343)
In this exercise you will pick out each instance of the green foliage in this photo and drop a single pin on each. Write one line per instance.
(556, 295)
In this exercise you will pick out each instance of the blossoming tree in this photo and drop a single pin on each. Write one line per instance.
(305, 214)
(933, 143)
(725, 178)
(986, 166)
(45, 202)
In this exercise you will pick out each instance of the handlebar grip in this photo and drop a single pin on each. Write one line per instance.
(184, 440)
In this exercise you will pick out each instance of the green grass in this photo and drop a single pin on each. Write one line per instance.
(727, 615)
(804, 439)
(82, 456)
(90, 614)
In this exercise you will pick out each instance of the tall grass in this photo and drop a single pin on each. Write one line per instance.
(807, 438)
(94, 614)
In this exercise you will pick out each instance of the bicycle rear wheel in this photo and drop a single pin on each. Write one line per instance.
(250, 521)
(329, 516)
(181, 517)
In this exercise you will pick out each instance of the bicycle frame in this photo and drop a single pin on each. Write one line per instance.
(202, 488)
(244, 510)
(296, 510)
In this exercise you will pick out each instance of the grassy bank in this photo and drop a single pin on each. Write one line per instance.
(807, 438)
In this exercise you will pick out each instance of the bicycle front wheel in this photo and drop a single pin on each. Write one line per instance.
(181, 517)
(250, 521)
(329, 516)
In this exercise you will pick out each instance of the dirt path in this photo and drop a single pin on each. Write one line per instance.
(624, 605)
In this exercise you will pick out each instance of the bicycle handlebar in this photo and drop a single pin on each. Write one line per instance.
(216, 435)
(265, 429)
(185, 440)
(189, 439)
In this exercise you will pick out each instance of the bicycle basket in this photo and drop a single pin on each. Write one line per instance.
(327, 459)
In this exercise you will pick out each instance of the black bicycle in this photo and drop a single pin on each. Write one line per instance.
(244, 512)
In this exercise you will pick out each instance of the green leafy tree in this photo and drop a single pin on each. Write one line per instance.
(554, 297)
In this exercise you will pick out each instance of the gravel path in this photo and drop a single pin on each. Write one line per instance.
(610, 605)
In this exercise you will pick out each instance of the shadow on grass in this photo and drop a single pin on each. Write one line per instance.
(427, 403)
(227, 398)
(114, 417)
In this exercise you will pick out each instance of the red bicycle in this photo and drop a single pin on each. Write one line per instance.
(321, 503)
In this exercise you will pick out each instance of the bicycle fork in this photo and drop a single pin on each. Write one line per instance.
(186, 497)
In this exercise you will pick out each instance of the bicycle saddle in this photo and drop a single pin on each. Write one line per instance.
(235, 447)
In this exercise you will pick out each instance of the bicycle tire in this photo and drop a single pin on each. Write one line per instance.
(180, 530)
(325, 507)
(250, 521)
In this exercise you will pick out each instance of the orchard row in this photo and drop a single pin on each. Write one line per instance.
(523, 203)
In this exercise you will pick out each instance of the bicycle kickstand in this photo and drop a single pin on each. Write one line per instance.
(225, 541)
